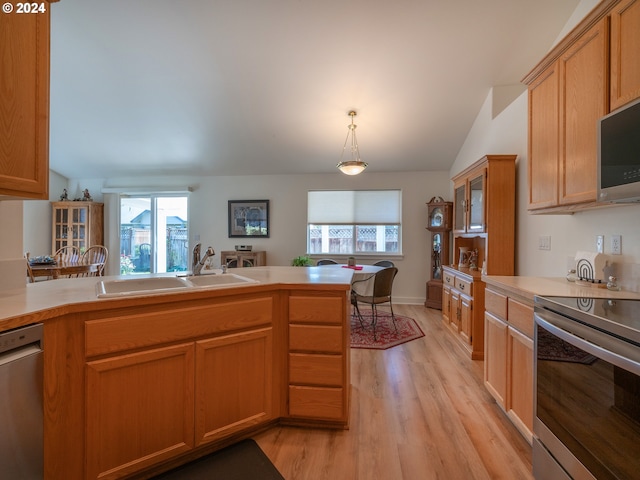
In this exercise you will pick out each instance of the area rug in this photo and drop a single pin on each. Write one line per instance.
(386, 333)
(242, 461)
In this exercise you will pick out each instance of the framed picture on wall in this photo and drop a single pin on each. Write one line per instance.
(248, 218)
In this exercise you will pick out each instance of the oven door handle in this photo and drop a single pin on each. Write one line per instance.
(609, 348)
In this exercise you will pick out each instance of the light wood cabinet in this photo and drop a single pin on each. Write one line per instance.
(592, 71)
(625, 42)
(24, 105)
(318, 357)
(508, 363)
(79, 224)
(484, 221)
(139, 410)
(236, 259)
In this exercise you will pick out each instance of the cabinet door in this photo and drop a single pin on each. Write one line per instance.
(520, 374)
(460, 208)
(583, 100)
(455, 310)
(543, 139)
(466, 306)
(495, 357)
(24, 105)
(625, 63)
(139, 410)
(476, 223)
(233, 383)
(446, 304)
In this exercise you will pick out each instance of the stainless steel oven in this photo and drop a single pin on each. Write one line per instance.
(587, 389)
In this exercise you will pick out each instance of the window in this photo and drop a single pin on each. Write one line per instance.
(153, 234)
(354, 221)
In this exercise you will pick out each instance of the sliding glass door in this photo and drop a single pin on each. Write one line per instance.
(153, 234)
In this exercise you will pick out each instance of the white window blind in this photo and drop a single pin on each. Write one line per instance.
(378, 207)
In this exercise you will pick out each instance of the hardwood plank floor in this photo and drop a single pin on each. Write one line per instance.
(419, 411)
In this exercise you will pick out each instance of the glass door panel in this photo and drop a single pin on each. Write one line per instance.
(459, 220)
(476, 204)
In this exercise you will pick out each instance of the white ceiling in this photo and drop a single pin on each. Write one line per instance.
(233, 87)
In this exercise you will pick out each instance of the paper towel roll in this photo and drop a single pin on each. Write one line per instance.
(590, 266)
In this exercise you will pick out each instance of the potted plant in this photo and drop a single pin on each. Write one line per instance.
(301, 261)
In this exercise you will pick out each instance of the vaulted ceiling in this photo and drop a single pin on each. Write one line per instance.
(233, 87)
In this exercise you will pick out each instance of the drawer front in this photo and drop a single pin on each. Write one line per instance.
(521, 317)
(316, 402)
(308, 369)
(449, 279)
(315, 338)
(316, 309)
(464, 286)
(495, 303)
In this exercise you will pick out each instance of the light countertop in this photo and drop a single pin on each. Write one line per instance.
(528, 287)
(47, 299)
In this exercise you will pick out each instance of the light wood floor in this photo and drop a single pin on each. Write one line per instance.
(419, 411)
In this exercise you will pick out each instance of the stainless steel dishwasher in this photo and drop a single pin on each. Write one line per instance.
(21, 412)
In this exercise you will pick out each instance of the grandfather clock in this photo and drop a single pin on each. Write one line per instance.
(439, 224)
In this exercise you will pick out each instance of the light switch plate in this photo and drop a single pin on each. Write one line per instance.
(616, 244)
(600, 244)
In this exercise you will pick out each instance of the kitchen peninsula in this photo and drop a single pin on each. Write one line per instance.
(135, 385)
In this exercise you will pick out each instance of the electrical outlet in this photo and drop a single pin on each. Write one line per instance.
(544, 242)
(600, 244)
(616, 244)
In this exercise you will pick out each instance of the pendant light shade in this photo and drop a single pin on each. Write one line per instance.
(355, 165)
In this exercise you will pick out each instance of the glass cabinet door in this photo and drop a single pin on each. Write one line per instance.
(476, 204)
(459, 221)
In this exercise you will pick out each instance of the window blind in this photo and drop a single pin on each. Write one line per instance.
(378, 207)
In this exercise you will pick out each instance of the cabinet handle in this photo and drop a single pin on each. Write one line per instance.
(461, 286)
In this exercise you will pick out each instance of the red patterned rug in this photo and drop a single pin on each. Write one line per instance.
(386, 334)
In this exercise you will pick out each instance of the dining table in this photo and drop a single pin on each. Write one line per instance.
(363, 276)
(62, 269)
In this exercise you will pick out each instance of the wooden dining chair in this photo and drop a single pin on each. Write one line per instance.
(67, 254)
(96, 254)
(384, 263)
(382, 289)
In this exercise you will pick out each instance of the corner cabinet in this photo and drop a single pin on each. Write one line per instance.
(591, 72)
(78, 224)
(483, 225)
(24, 104)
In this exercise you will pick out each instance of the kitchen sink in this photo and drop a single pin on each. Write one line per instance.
(157, 285)
(140, 286)
(224, 280)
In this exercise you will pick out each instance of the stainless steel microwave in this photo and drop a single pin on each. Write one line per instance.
(619, 155)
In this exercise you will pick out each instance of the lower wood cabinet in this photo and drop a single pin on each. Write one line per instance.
(318, 357)
(508, 361)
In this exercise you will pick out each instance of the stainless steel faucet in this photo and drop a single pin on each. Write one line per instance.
(197, 262)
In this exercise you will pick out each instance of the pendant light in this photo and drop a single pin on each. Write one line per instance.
(355, 165)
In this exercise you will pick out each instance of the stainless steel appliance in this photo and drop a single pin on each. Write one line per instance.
(587, 389)
(21, 415)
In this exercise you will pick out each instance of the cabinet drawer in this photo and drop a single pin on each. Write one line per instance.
(464, 286)
(521, 317)
(307, 369)
(449, 279)
(316, 402)
(495, 303)
(303, 309)
(316, 338)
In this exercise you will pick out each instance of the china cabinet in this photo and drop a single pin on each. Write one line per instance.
(78, 224)
(439, 226)
(483, 243)
(24, 104)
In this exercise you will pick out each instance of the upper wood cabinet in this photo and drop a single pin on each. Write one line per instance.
(24, 105)
(78, 224)
(562, 123)
(625, 45)
(592, 71)
(469, 193)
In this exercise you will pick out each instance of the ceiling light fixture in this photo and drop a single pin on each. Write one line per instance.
(355, 165)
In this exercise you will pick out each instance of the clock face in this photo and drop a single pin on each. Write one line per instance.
(437, 218)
